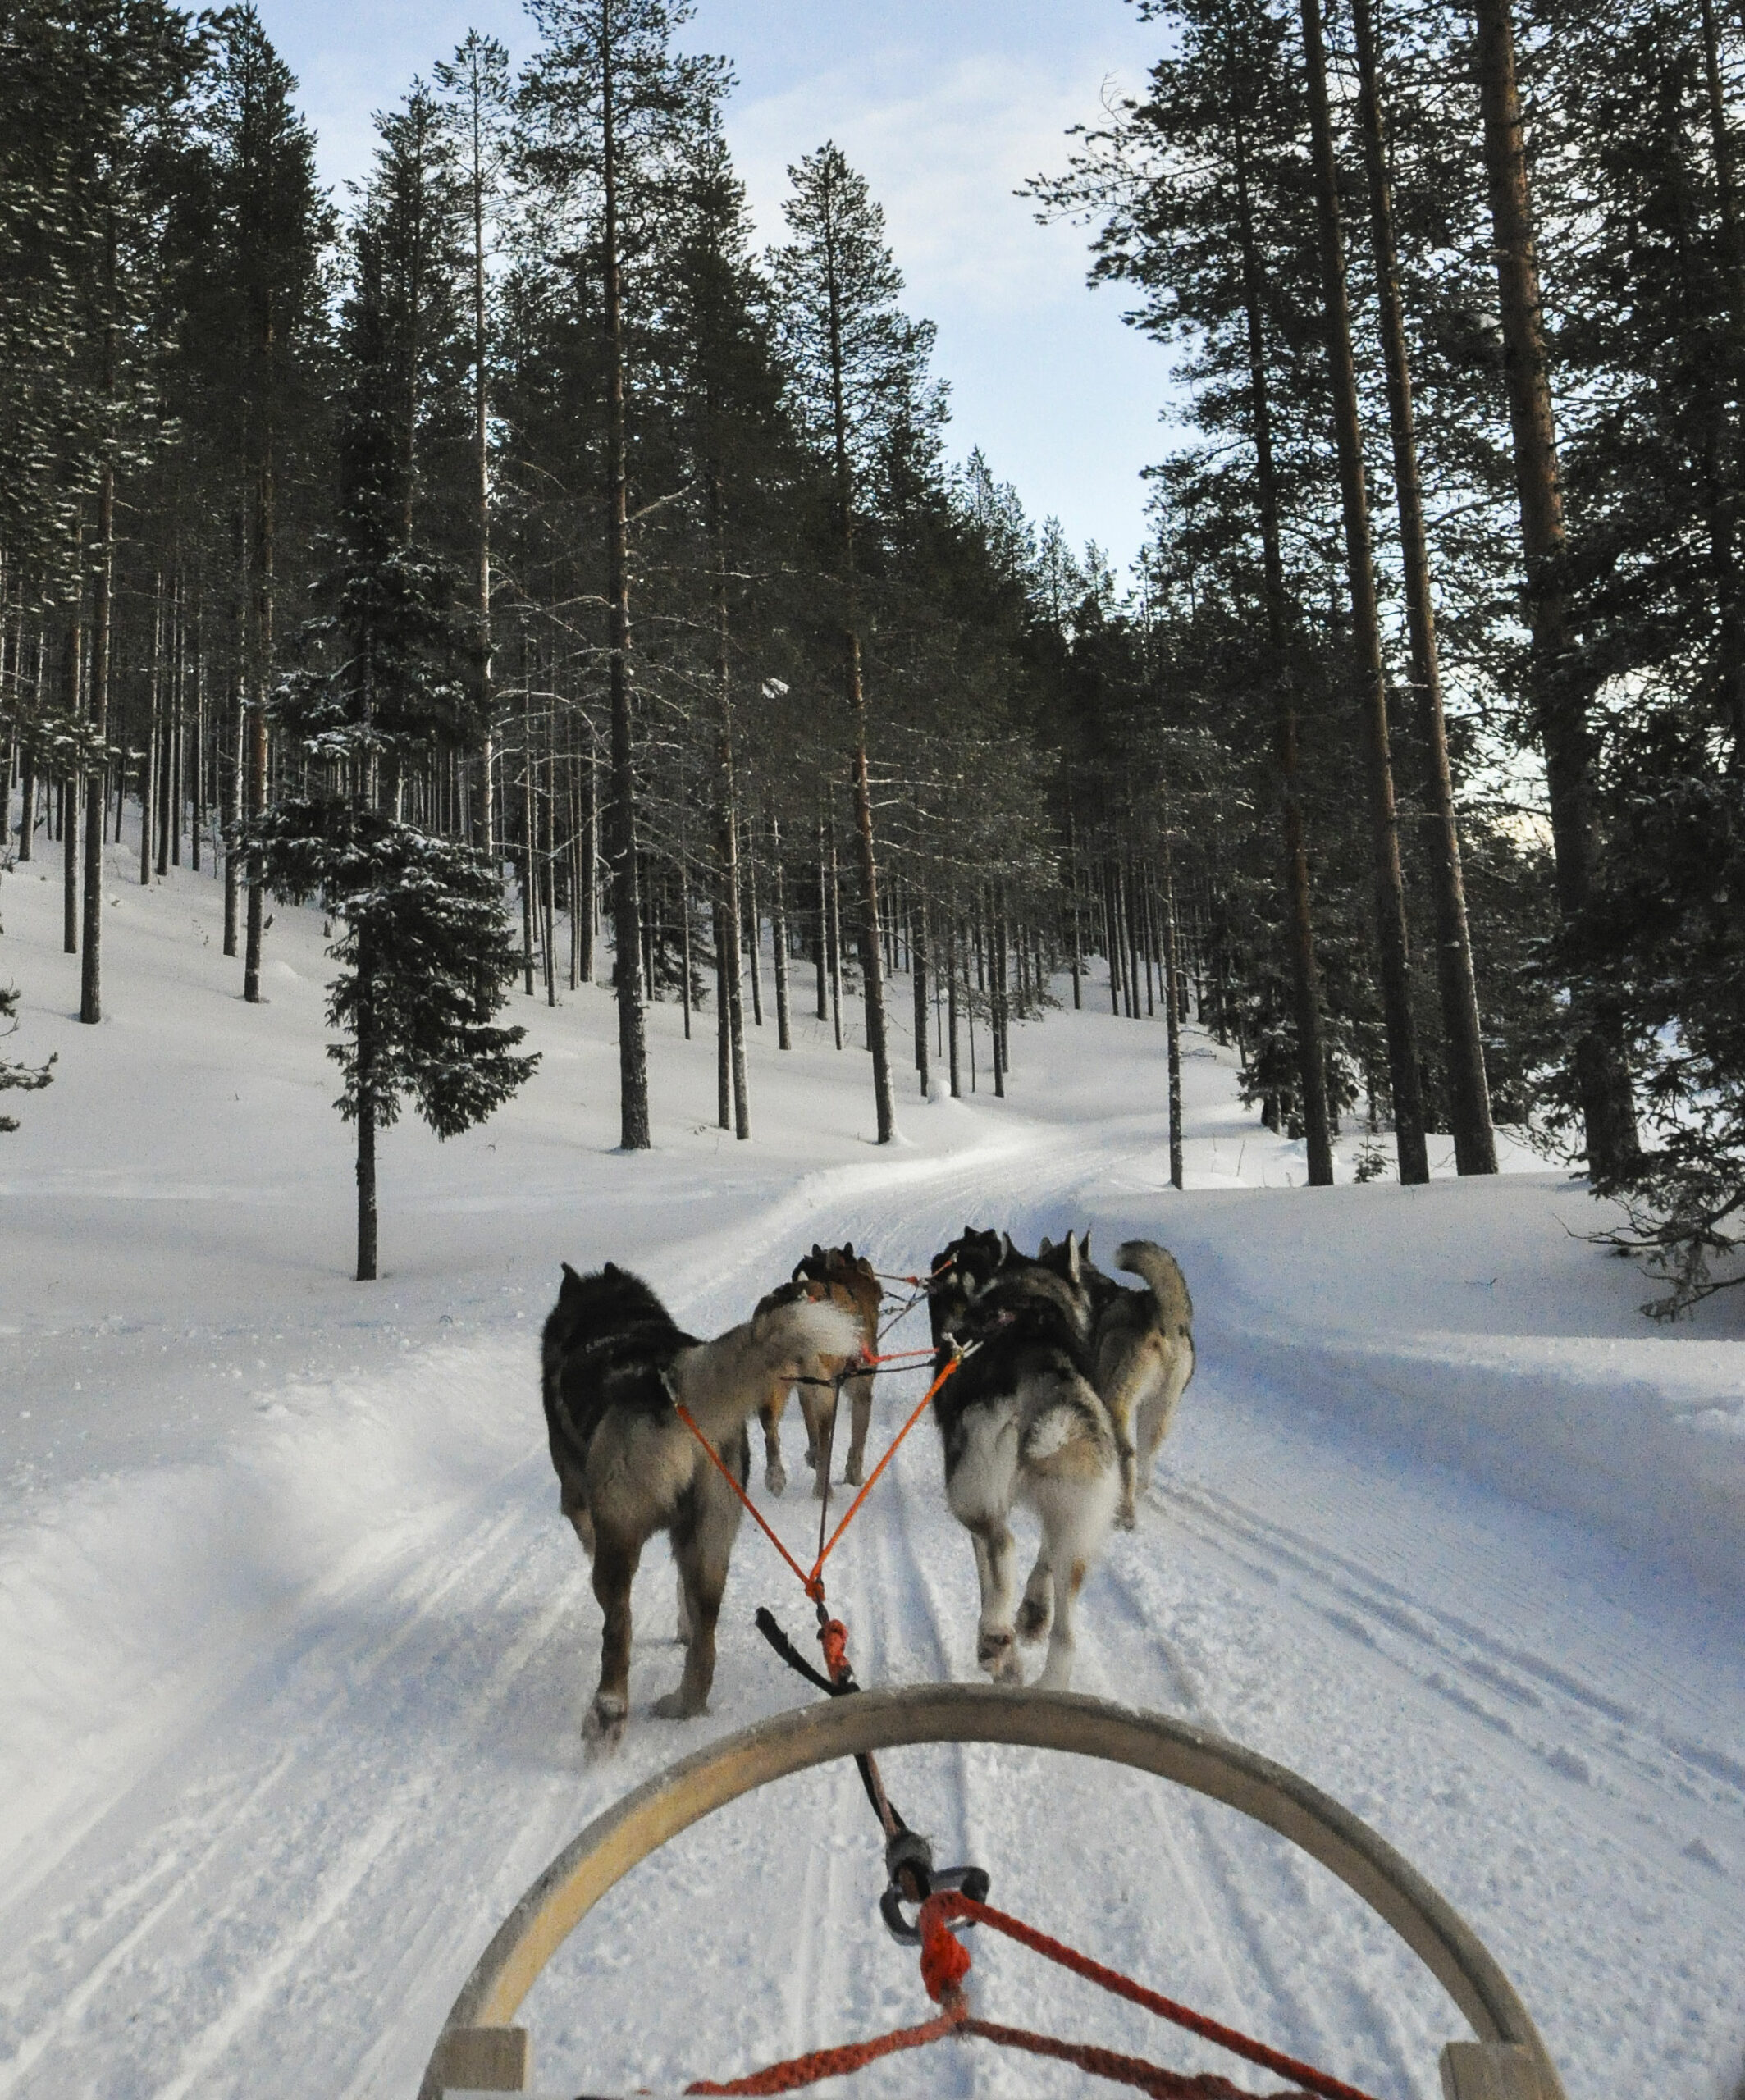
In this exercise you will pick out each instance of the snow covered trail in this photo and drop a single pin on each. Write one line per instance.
(296, 1645)
(285, 1898)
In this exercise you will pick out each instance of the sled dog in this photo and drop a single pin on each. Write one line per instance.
(1021, 1421)
(960, 1273)
(1144, 1358)
(847, 1280)
(613, 1364)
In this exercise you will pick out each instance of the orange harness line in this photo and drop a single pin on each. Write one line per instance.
(945, 1962)
(813, 1583)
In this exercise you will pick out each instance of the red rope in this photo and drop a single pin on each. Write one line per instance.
(813, 1587)
(872, 1478)
(833, 2063)
(813, 1583)
(945, 1962)
(952, 1903)
(1110, 2064)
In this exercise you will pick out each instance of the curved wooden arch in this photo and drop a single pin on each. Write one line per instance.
(1272, 1794)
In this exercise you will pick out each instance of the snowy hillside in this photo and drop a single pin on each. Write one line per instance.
(296, 1645)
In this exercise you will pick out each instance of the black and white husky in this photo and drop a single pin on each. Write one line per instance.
(1021, 1422)
(614, 1363)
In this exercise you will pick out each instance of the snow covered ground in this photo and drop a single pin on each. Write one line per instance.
(296, 1645)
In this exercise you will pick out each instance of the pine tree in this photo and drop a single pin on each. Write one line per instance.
(1199, 196)
(1391, 935)
(477, 83)
(857, 374)
(253, 328)
(613, 115)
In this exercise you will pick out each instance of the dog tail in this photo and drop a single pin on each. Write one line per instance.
(1162, 1272)
(724, 1381)
(809, 1328)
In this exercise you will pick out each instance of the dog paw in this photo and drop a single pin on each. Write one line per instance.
(675, 1706)
(995, 1652)
(1126, 1516)
(855, 1473)
(775, 1479)
(603, 1727)
(1033, 1618)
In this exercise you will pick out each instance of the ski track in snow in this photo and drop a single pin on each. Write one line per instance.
(274, 1881)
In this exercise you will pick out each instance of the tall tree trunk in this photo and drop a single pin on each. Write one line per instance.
(1730, 653)
(148, 740)
(820, 946)
(97, 789)
(951, 1004)
(260, 668)
(1469, 1095)
(366, 1114)
(484, 701)
(918, 961)
(835, 940)
(97, 793)
(727, 817)
(235, 735)
(632, 1047)
(73, 674)
(590, 860)
(1560, 691)
(884, 1100)
(754, 927)
(779, 939)
(1305, 983)
(723, 1035)
(1172, 1021)
(1392, 940)
(166, 714)
(527, 820)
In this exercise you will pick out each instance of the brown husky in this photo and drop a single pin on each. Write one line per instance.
(614, 1365)
(848, 1281)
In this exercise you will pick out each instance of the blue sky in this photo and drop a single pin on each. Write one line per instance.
(946, 106)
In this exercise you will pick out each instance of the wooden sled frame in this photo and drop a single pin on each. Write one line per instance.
(479, 2049)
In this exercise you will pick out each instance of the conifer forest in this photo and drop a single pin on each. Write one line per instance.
(515, 557)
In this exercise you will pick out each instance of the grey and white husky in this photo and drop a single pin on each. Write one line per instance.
(1144, 1358)
(614, 1363)
(1021, 1421)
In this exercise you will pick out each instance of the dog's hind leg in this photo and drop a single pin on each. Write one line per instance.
(614, 1570)
(819, 1404)
(859, 1400)
(1038, 1598)
(583, 1520)
(702, 1543)
(769, 1414)
(995, 1649)
(1076, 1507)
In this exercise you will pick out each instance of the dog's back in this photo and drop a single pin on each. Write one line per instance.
(608, 1343)
(1032, 1329)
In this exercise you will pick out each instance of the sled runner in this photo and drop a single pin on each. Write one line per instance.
(481, 2050)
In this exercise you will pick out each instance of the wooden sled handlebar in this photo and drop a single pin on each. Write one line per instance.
(644, 1820)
